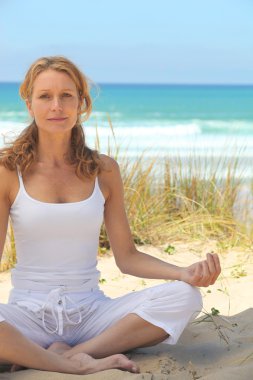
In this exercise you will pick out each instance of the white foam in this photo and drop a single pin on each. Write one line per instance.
(226, 125)
(156, 140)
(138, 129)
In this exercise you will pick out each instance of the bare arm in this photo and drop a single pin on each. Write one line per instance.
(130, 260)
(4, 206)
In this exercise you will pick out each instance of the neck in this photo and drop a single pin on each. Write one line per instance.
(53, 149)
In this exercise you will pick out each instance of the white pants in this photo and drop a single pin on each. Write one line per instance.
(170, 306)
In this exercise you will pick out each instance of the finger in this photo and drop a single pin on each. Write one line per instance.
(217, 267)
(211, 264)
(206, 274)
(212, 268)
(198, 272)
(217, 263)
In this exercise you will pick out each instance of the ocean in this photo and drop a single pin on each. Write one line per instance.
(159, 120)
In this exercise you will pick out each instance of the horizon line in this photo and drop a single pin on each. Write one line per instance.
(155, 83)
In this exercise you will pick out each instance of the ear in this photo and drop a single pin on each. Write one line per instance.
(29, 107)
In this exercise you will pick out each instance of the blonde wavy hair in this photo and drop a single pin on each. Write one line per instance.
(22, 152)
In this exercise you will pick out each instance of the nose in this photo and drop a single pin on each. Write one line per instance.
(56, 104)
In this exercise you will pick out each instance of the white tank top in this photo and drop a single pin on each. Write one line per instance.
(56, 243)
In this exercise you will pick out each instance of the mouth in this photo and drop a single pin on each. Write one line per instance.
(57, 119)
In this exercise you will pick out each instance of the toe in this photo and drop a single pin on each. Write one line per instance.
(129, 365)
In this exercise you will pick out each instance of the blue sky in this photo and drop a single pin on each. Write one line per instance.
(134, 41)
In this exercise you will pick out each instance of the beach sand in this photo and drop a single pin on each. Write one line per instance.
(216, 347)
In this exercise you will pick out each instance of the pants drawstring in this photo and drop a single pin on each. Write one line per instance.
(56, 302)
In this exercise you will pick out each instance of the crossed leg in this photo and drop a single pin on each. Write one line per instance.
(130, 332)
(16, 348)
(176, 303)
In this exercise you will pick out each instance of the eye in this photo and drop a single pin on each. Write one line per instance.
(66, 94)
(44, 96)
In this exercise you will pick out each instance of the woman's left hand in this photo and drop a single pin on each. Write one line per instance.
(202, 273)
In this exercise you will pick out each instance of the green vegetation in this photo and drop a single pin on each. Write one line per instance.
(238, 272)
(170, 250)
(214, 311)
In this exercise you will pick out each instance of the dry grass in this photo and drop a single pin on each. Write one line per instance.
(178, 199)
(9, 254)
(201, 197)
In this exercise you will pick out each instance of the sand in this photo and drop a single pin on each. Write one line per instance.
(216, 347)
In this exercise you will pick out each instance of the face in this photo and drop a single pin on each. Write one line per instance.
(55, 103)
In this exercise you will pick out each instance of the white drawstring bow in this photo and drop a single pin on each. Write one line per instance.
(56, 301)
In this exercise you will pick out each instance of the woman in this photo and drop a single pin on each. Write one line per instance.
(57, 192)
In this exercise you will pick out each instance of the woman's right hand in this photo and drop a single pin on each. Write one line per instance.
(202, 273)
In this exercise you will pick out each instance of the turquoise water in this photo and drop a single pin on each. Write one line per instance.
(161, 119)
(163, 103)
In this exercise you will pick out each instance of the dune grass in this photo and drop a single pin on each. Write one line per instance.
(179, 198)
(9, 253)
(201, 199)
(175, 199)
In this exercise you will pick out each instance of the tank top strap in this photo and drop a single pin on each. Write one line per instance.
(96, 186)
(97, 189)
(20, 178)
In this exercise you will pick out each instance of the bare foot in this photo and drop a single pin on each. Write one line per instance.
(87, 364)
(91, 365)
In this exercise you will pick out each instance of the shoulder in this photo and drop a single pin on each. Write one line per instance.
(7, 177)
(110, 178)
(111, 167)
(110, 164)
